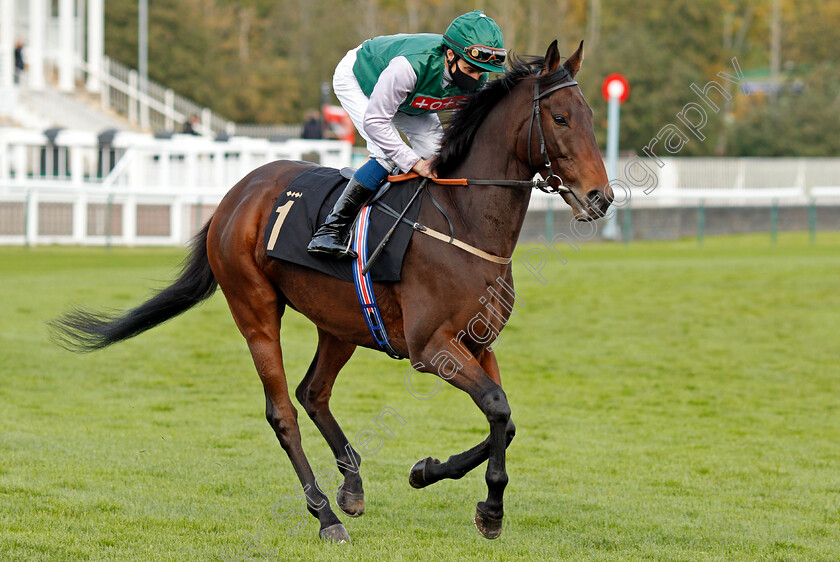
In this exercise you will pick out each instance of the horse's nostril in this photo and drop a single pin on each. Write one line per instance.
(598, 201)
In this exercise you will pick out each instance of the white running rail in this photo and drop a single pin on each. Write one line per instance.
(130, 189)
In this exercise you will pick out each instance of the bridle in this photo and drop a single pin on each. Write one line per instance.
(553, 183)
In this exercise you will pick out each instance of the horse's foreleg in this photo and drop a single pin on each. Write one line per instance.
(429, 470)
(254, 306)
(491, 399)
(313, 393)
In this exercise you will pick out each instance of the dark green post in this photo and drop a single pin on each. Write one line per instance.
(812, 220)
(774, 221)
(701, 222)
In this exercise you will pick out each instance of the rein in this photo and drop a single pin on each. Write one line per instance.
(553, 184)
(536, 183)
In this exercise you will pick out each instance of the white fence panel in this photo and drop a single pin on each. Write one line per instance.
(130, 189)
(78, 188)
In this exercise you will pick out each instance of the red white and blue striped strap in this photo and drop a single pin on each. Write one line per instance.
(364, 286)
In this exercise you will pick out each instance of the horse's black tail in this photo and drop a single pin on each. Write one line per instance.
(82, 330)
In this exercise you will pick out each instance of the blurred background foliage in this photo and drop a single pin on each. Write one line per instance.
(263, 61)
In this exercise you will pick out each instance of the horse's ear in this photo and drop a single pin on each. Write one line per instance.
(552, 59)
(572, 64)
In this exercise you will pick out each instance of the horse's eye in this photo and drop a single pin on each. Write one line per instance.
(561, 120)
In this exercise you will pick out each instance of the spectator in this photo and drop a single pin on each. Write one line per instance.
(312, 128)
(191, 126)
(19, 66)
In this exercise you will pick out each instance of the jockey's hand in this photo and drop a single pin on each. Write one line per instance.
(424, 168)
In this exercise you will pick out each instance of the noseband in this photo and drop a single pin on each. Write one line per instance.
(553, 183)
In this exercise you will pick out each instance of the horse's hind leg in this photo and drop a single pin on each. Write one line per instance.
(256, 309)
(313, 393)
(428, 471)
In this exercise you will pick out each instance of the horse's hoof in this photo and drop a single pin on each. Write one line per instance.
(489, 527)
(351, 503)
(335, 533)
(417, 474)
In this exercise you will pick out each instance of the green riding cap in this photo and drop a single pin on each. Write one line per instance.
(477, 39)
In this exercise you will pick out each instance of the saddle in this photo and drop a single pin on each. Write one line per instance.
(305, 204)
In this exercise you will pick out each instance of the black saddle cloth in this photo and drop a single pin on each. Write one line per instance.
(305, 204)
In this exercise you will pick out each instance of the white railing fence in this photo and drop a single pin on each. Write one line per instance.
(723, 181)
(154, 107)
(130, 189)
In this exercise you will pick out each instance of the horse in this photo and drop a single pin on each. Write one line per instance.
(492, 137)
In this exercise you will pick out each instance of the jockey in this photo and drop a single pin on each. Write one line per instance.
(397, 83)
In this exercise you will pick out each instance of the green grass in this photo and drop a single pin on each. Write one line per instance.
(671, 402)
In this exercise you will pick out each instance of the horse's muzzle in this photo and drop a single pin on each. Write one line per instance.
(598, 201)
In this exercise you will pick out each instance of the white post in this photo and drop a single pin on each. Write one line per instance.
(105, 83)
(800, 176)
(96, 43)
(143, 43)
(31, 217)
(79, 44)
(220, 176)
(143, 98)
(7, 48)
(207, 122)
(129, 220)
(613, 111)
(164, 167)
(80, 217)
(20, 163)
(35, 47)
(741, 177)
(191, 157)
(135, 174)
(169, 109)
(143, 60)
(5, 164)
(77, 163)
(176, 220)
(66, 67)
(132, 96)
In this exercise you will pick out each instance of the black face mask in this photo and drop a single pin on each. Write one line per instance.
(461, 79)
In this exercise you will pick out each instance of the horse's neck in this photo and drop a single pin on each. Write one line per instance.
(493, 215)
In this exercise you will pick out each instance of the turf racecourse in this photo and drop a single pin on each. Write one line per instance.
(671, 402)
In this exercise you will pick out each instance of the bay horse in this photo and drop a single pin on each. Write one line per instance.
(491, 136)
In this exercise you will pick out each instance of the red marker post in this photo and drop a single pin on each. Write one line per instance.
(615, 90)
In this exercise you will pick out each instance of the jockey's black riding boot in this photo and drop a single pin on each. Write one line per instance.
(331, 238)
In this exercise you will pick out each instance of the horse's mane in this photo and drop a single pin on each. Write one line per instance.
(471, 112)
